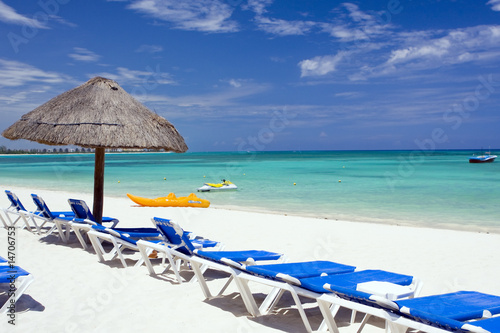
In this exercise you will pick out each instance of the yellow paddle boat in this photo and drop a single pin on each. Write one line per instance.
(171, 201)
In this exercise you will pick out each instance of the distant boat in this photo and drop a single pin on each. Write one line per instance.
(224, 185)
(484, 158)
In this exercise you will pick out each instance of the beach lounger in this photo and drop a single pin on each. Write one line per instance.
(127, 238)
(22, 279)
(462, 311)
(60, 220)
(120, 240)
(16, 209)
(82, 212)
(179, 248)
(312, 287)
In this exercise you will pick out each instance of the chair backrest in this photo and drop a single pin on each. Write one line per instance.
(174, 235)
(14, 201)
(81, 210)
(42, 207)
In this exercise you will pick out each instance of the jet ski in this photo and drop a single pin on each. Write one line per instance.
(225, 185)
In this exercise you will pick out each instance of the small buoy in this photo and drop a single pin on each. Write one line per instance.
(204, 176)
(244, 174)
(164, 178)
(340, 181)
(118, 181)
(294, 183)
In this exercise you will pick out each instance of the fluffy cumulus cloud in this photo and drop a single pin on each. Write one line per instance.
(82, 54)
(320, 65)
(199, 15)
(10, 16)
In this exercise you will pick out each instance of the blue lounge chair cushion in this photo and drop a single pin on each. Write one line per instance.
(256, 255)
(198, 243)
(458, 306)
(300, 270)
(82, 211)
(346, 284)
(14, 200)
(44, 210)
(174, 237)
(7, 272)
(138, 232)
(491, 324)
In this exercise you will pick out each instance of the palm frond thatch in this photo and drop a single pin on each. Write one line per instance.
(97, 114)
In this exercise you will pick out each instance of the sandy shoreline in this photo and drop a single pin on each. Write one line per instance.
(72, 292)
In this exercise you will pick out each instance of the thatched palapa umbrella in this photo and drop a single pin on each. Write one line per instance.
(98, 114)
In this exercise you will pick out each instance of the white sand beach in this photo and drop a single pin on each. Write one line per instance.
(73, 292)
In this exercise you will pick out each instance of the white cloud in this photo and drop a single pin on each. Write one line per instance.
(82, 54)
(356, 25)
(199, 15)
(235, 83)
(220, 97)
(259, 6)
(149, 48)
(283, 27)
(9, 15)
(14, 74)
(321, 65)
(148, 79)
(456, 46)
(495, 5)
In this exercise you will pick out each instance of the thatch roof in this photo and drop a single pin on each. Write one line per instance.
(97, 114)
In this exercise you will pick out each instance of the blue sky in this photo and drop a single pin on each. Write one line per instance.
(270, 74)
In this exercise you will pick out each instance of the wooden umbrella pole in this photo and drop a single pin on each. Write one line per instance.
(98, 184)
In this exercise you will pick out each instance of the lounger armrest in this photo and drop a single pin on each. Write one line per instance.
(288, 279)
(113, 232)
(232, 263)
(475, 329)
(384, 302)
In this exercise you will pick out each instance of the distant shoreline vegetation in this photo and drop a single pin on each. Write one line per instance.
(37, 151)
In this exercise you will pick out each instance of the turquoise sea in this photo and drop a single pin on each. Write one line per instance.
(438, 188)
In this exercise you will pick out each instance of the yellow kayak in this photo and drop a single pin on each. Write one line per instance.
(171, 201)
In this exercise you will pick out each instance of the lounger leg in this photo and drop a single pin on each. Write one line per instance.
(27, 224)
(5, 224)
(228, 282)
(79, 235)
(117, 249)
(328, 316)
(199, 275)
(23, 283)
(145, 255)
(301, 311)
(271, 300)
(96, 244)
(247, 297)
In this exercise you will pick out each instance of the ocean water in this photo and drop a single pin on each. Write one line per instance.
(438, 189)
